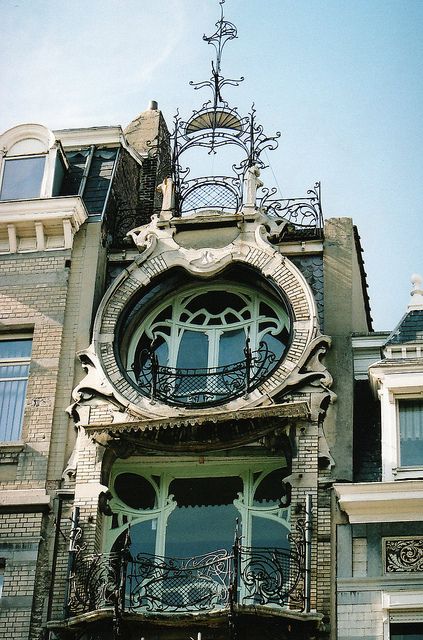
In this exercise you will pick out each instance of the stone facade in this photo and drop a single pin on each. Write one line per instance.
(272, 446)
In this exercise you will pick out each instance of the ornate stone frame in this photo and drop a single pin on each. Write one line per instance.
(159, 253)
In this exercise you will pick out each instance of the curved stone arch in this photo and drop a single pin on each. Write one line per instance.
(205, 263)
(36, 137)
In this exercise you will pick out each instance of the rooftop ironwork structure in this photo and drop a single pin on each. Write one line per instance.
(217, 124)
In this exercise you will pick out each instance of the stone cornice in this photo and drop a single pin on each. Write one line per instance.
(85, 137)
(367, 502)
(40, 224)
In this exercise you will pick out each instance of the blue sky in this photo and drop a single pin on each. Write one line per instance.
(342, 81)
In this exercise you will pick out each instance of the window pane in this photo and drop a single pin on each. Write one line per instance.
(22, 178)
(12, 400)
(13, 380)
(143, 538)
(193, 350)
(205, 517)
(15, 348)
(231, 347)
(411, 432)
(407, 631)
(269, 533)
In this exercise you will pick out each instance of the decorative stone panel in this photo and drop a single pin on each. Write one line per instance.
(403, 555)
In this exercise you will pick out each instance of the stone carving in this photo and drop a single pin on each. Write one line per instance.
(168, 203)
(145, 237)
(252, 182)
(404, 554)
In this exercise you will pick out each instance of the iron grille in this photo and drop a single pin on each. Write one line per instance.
(205, 386)
(209, 194)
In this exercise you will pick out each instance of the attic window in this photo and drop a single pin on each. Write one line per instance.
(33, 164)
(22, 178)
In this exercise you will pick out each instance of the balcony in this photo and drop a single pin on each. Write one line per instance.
(217, 581)
(205, 386)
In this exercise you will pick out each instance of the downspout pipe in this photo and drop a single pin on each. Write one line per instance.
(307, 560)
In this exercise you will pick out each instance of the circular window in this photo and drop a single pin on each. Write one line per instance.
(206, 343)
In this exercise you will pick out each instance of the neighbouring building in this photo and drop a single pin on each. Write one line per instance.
(380, 534)
(183, 379)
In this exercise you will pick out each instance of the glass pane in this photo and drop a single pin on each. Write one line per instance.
(270, 490)
(205, 517)
(15, 348)
(277, 344)
(269, 533)
(407, 631)
(143, 538)
(411, 432)
(193, 531)
(13, 372)
(193, 350)
(231, 347)
(216, 302)
(135, 491)
(22, 178)
(12, 400)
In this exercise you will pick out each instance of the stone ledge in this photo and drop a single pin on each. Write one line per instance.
(35, 499)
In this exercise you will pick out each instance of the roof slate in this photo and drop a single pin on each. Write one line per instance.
(410, 329)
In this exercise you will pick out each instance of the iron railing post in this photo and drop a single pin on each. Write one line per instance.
(154, 372)
(119, 603)
(248, 361)
(75, 534)
(233, 586)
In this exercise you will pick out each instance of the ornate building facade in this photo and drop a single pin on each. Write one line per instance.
(177, 386)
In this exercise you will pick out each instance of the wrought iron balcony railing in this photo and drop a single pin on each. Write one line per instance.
(214, 581)
(204, 387)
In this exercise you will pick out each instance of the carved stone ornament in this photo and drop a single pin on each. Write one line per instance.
(403, 555)
(159, 252)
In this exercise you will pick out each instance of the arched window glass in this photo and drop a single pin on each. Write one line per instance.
(205, 332)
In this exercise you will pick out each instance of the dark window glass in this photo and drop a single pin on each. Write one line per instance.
(271, 489)
(407, 631)
(135, 491)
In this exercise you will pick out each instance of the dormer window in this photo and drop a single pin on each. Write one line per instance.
(22, 178)
(33, 163)
(410, 414)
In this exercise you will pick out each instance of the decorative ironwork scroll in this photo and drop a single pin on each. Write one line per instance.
(214, 581)
(158, 584)
(269, 576)
(205, 386)
(403, 555)
(302, 213)
(94, 582)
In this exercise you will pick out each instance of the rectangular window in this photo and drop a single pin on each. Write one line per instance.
(407, 631)
(15, 357)
(22, 178)
(411, 432)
